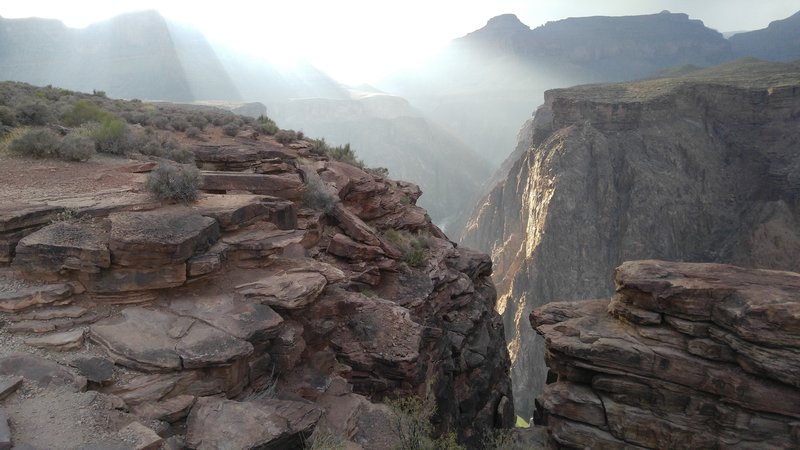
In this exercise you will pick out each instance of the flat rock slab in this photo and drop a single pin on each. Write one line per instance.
(232, 211)
(161, 237)
(58, 294)
(64, 245)
(341, 245)
(288, 185)
(243, 319)
(268, 424)
(19, 215)
(65, 312)
(153, 340)
(5, 432)
(97, 370)
(128, 279)
(285, 291)
(9, 384)
(43, 372)
(171, 410)
(69, 340)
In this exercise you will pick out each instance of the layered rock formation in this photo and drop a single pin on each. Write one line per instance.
(683, 356)
(701, 167)
(189, 324)
(780, 41)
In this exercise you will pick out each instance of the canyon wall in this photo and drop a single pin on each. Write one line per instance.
(701, 167)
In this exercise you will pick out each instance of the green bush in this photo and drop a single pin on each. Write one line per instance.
(39, 143)
(198, 121)
(169, 183)
(412, 246)
(180, 154)
(112, 136)
(345, 154)
(267, 125)
(76, 146)
(82, 112)
(324, 440)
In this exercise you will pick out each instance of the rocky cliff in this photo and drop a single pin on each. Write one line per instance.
(297, 293)
(780, 41)
(683, 356)
(701, 167)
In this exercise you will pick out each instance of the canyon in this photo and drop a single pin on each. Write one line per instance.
(700, 167)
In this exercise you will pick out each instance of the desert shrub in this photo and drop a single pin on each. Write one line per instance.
(412, 246)
(504, 439)
(267, 125)
(411, 424)
(112, 136)
(136, 117)
(39, 143)
(160, 121)
(34, 113)
(317, 195)
(218, 121)
(180, 154)
(7, 116)
(231, 129)
(180, 124)
(319, 147)
(324, 440)
(382, 172)
(193, 132)
(174, 184)
(299, 135)
(345, 154)
(198, 121)
(76, 146)
(96, 93)
(82, 112)
(285, 136)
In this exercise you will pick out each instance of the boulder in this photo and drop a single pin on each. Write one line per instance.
(153, 340)
(162, 237)
(699, 378)
(9, 385)
(265, 424)
(140, 437)
(260, 242)
(94, 369)
(170, 410)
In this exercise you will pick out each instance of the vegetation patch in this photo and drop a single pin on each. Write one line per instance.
(411, 424)
(411, 245)
(174, 184)
(77, 145)
(38, 143)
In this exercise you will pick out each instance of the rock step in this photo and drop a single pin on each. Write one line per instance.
(56, 324)
(63, 246)
(69, 340)
(52, 294)
(287, 186)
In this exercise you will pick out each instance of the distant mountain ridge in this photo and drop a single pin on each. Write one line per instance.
(780, 41)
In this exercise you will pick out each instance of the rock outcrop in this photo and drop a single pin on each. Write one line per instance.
(196, 322)
(684, 356)
(701, 167)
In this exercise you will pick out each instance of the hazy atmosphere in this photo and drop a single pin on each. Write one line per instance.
(362, 41)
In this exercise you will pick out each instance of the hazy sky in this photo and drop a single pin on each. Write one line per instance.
(362, 40)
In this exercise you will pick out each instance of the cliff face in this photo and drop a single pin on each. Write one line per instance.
(684, 356)
(701, 167)
(297, 293)
(780, 41)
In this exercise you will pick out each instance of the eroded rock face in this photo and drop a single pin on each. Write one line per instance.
(623, 381)
(695, 168)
